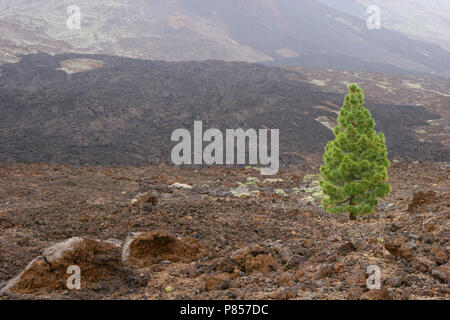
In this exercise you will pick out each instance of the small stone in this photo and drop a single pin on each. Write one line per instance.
(442, 273)
(221, 281)
(299, 274)
(346, 248)
(357, 276)
(354, 293)
(308, 243)
(396, 226)
(261, 263)
(339, 286)
(336, 238)
(413, 236)
(326, 271)
(339, 267)
(377, 294)
(178, 185)
(285, 278)
(280, 192)
(397, 250)
(409, 280)
(411, 245)
(285, 294)
(295, 261)
(438, 255)
(394, 282)
(165, 263)
(423, 264)
(285, 254)
(225, 265)
(236, 274)
(255, 258)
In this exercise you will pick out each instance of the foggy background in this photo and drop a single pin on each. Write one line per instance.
(414, 34)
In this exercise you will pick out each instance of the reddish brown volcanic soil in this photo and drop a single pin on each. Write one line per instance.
(289, 249)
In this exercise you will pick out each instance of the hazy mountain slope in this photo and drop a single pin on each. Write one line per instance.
(145, 29)
(303, 32)
(424, 20)
(125, 111)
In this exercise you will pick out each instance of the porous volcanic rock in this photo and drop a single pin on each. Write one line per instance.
(256, 258)
(377, 294)
(99, 262)
(420, 199)
(147, 248)
(221, 281)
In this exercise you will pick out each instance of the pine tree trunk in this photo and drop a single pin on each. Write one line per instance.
(352, 215)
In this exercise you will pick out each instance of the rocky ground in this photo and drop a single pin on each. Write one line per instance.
(217, 233)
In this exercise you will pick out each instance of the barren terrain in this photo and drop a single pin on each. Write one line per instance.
(222, 233)
(102, 110)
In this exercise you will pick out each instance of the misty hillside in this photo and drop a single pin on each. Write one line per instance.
(297, 33)
(123, 111)
(428, 21)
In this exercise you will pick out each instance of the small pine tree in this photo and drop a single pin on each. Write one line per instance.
(355, 162)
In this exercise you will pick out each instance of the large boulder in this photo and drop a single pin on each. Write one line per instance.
(98, 262)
